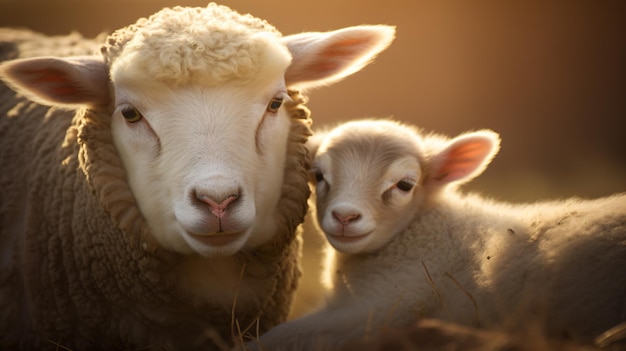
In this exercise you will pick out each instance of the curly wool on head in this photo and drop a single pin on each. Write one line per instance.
(189, 45)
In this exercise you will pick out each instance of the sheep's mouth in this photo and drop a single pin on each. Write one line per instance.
(216, 239)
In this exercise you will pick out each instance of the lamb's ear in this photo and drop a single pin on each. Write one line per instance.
(314, 142)
(67, 82)
(325, 58)
(464, 158)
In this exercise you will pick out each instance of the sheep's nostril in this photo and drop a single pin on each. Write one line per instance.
(218, 207)
(346, 219)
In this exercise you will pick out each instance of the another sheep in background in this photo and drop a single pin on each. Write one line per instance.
(409, 245)
(161, 212)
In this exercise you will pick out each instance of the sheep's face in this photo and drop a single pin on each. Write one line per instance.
(367, 184)
(204, 163)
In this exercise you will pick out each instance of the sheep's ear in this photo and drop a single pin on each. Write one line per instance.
(67, 82)
(464, 158)
(325, 58)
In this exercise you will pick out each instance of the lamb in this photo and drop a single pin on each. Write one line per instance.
(407, 244)
(436, 335)
(155, 205)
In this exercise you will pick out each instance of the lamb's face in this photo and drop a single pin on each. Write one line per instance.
(204, 163)
(367, 176)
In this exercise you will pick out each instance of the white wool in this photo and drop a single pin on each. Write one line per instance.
(190, 46)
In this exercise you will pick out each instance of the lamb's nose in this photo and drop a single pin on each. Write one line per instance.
(345, 219)
(218, 206)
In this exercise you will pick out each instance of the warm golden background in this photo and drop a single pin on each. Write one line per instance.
(549, 76)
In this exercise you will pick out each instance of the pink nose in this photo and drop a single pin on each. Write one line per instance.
(346, 219)
(218, 207)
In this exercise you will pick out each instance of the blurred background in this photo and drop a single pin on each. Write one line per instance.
(549, 76)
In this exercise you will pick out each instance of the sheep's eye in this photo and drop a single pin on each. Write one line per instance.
(405, 185)
(131, 114)
(274, 104)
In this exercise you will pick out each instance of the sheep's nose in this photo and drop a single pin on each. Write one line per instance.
(345, 219)
(218, 205)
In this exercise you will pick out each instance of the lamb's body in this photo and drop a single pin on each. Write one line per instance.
(555, 266)
(93, 201)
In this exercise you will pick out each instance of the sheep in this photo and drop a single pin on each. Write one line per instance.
(407, 244)
(151, 193)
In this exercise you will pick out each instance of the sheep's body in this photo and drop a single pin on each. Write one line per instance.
(552, 266)
(63, 275)
(92, 254)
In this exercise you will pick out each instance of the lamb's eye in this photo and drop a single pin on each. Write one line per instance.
(405, 185)
(274, 104)
(131, 114)
(319, 176)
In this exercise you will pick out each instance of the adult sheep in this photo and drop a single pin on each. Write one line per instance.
(155, 205)
(408, 245)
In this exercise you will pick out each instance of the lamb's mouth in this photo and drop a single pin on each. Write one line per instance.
(348, 239)
(220, 239)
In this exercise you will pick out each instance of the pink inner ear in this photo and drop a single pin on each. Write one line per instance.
(53, 83)
(331, 58)
(348, 48)
(45, 75)
(325, 66)
(463, 160)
